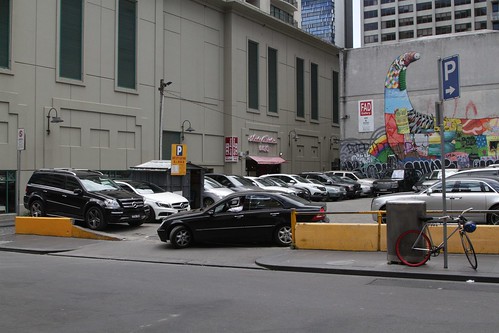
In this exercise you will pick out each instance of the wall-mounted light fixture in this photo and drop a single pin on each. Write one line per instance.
(292, 135)
(189, 129)
(55, 119)
(243, 154)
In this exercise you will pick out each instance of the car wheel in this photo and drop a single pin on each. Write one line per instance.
(180, 237)
(151, 217)
(208, 202)
(283, 236)
(94, 218)
(36, 208)
(493, 218)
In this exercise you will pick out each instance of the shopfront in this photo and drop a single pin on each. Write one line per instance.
(7, 191)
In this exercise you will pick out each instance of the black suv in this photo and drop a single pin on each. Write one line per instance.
(83, 195)
(397, 180)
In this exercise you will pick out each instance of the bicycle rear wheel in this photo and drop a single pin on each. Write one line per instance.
(468, 249)
(413, 248)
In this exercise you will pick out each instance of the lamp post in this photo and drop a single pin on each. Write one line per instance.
(189, 129)
(292, 135)
(162, 86)
(55, 119)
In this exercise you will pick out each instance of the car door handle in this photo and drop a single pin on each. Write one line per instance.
(238, 216)
(455, 198)
(64, 196)
(274, 214)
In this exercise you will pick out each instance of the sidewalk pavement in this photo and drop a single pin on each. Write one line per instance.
(273, 258)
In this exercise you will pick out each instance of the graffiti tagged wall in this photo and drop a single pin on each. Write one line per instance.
(411, 138)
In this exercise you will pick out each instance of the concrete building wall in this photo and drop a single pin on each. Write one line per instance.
(366, 71)
(200, 46)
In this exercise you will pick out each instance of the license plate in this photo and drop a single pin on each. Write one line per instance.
(137, 216)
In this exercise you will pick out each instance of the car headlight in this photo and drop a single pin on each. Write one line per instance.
(111, 204)
(163, 204)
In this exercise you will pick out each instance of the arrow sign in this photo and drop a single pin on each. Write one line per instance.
(450, 78)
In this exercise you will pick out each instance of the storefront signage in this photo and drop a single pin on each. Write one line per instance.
(264, 142)
(231, 149)
(366, 116)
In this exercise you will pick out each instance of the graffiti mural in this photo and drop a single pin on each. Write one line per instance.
(411, 138)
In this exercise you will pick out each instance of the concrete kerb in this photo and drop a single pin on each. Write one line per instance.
(58, 227)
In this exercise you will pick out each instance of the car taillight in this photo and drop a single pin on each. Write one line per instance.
(319, 217)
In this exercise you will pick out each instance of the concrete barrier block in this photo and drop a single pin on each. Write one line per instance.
(44, 226)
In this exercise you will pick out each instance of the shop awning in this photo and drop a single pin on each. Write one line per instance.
(267, 159)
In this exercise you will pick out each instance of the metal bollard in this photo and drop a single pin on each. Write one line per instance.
(400, 217)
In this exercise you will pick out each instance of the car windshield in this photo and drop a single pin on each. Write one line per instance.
(240, 181)
(146, 188)
(359, 175)
(98, 183)
(315, 181)
(210, 184)
(264, 182)
(336, 178)
(276, 181)
(301, 179)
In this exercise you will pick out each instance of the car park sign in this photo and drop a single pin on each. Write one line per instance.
(449, 74)
(179, 160)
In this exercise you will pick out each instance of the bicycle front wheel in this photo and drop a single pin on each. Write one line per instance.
(413, 248)
(468, 249)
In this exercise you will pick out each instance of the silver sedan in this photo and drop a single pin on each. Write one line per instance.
(477, 193)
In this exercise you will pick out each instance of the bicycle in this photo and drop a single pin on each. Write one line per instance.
(414, 244)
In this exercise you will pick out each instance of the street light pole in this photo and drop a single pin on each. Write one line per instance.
(162, 86)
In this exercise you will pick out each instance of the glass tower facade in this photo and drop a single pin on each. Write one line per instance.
(318, 18)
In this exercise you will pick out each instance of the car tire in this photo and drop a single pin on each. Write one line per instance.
(151, 216)
(207, 202)
(282, 235)
(180, 237)
(36, 208)
(94, 218)
(493, 218)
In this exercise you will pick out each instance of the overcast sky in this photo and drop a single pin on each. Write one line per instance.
(356, 23)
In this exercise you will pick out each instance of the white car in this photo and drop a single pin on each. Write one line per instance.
(214, 191)
(266, 184)
(317, 192)
(365, 183)
(162, 203)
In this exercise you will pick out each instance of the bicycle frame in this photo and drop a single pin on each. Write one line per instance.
(426, 230)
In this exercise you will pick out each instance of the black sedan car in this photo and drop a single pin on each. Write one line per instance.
(241, 217)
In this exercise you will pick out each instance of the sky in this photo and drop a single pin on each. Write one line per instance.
(356, 23)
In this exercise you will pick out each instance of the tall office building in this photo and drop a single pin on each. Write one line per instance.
(389, 21)
(284, 10)
(330, 20)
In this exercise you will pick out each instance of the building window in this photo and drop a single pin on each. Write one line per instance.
(462, 2)
(314, 91)
(463, 27)
(424, 6)
(368, 3)
(439, 17)
(387, 11)
(406, 21)
(388, 24)
(406, 34)
(4, 33)
(405, 9)
(300, 88)
(460, 14)
(336, 98)
(127, 22)
(387, 1)
(371, 26)
(425, 32)
(482, 11)
(442, 3)
(253, 75)
(370, 14)
(371, 39)
(272, 68)
(424, 19)
(71, 39)
(443, 30)
(388, 37)
(480, 25)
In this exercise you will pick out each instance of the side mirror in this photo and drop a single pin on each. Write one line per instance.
(77, 191)
(429, 191)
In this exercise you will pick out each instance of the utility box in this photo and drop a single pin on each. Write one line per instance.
(158, 172)
(400, 217)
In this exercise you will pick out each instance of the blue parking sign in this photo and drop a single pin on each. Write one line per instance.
(450, 78)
